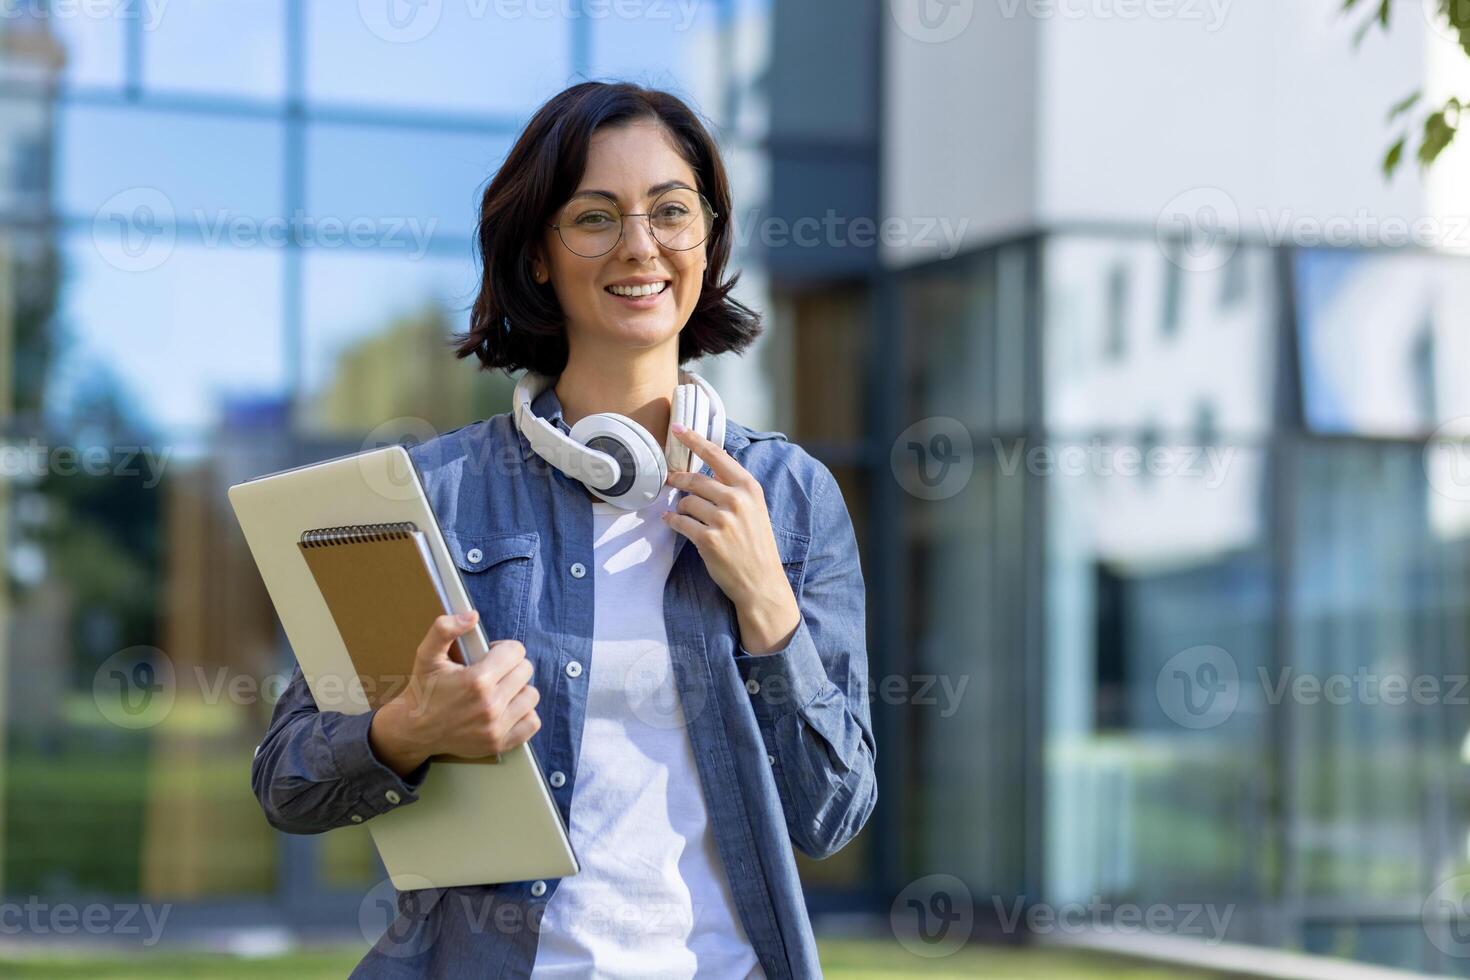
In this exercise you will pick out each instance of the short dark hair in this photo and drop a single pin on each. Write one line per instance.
(539, 175)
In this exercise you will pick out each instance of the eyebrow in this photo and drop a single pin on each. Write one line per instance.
(653, 191)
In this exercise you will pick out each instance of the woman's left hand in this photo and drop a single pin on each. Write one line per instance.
(726, 518)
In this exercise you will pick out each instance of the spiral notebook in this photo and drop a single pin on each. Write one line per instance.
(380, 583)
(357, 568)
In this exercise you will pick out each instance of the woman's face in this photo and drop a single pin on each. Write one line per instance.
(633, 163)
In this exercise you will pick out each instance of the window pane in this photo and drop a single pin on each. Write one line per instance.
(377, 345)
(235, 48)
(452, 57)
(415, 190)
(666, 45)
(1110, 363)
(190, 172)
(177, 339)
(1384, 349)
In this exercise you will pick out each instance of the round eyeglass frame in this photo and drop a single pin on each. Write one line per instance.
(648, 219)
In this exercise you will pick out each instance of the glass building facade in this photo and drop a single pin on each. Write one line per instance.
(1191, 486)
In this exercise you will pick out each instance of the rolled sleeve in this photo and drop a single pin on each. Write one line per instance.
(316, 770)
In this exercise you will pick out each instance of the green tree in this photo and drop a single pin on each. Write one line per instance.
(1439, 124)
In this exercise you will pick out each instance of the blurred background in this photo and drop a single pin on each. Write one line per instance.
(1143, 381)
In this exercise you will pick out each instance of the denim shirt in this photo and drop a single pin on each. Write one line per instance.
(783, 742)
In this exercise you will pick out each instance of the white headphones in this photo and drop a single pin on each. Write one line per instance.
(613, 456)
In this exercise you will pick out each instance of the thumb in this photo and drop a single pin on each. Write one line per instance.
(433, 651)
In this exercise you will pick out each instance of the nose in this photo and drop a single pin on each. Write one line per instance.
(638, 243)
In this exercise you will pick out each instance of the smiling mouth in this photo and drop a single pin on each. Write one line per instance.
(638, 292)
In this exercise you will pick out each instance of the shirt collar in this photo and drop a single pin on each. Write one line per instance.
(547, 406)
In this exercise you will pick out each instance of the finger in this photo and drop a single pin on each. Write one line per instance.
(523, 730)
(442, 632)
(503, 655)
(687, 526)
(516, 681)
(700, 485)
(700, 509)
(721, 463)
(521, 705)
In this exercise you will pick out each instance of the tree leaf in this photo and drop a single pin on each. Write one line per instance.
(1394, 158)
(1438, 134)
(1403, 106)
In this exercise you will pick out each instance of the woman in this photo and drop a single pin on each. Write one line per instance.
(699, 711)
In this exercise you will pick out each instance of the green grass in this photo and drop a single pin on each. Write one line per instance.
(841, 960)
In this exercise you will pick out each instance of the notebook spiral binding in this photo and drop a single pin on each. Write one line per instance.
(352, 533)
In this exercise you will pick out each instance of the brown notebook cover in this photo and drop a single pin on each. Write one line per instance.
(381, 587)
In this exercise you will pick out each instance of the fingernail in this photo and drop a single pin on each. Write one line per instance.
(466, 618)
(679, 428)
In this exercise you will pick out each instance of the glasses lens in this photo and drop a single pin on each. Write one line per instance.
(681, 219)
(590, 226)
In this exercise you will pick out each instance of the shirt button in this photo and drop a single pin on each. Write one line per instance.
(474, 556)
(574, 669)
(538, 889)
(558, 780)
(357, 818)
(770, 758)
(393, 796)
(578, 569)
(753, 686)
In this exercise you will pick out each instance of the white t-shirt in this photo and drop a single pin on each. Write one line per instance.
(652, 898)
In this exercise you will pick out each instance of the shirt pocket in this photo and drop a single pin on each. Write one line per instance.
(497, 569)
(792, 546)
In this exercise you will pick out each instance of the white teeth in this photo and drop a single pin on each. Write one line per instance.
(647, 290)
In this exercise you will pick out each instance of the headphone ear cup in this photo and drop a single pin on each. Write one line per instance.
(676, 453)
(642, 465)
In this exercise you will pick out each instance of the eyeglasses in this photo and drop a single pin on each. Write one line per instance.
(680, 219)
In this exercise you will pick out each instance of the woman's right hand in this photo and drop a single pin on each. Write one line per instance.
(450, 708)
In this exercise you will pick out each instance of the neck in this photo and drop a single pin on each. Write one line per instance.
(638, 384)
